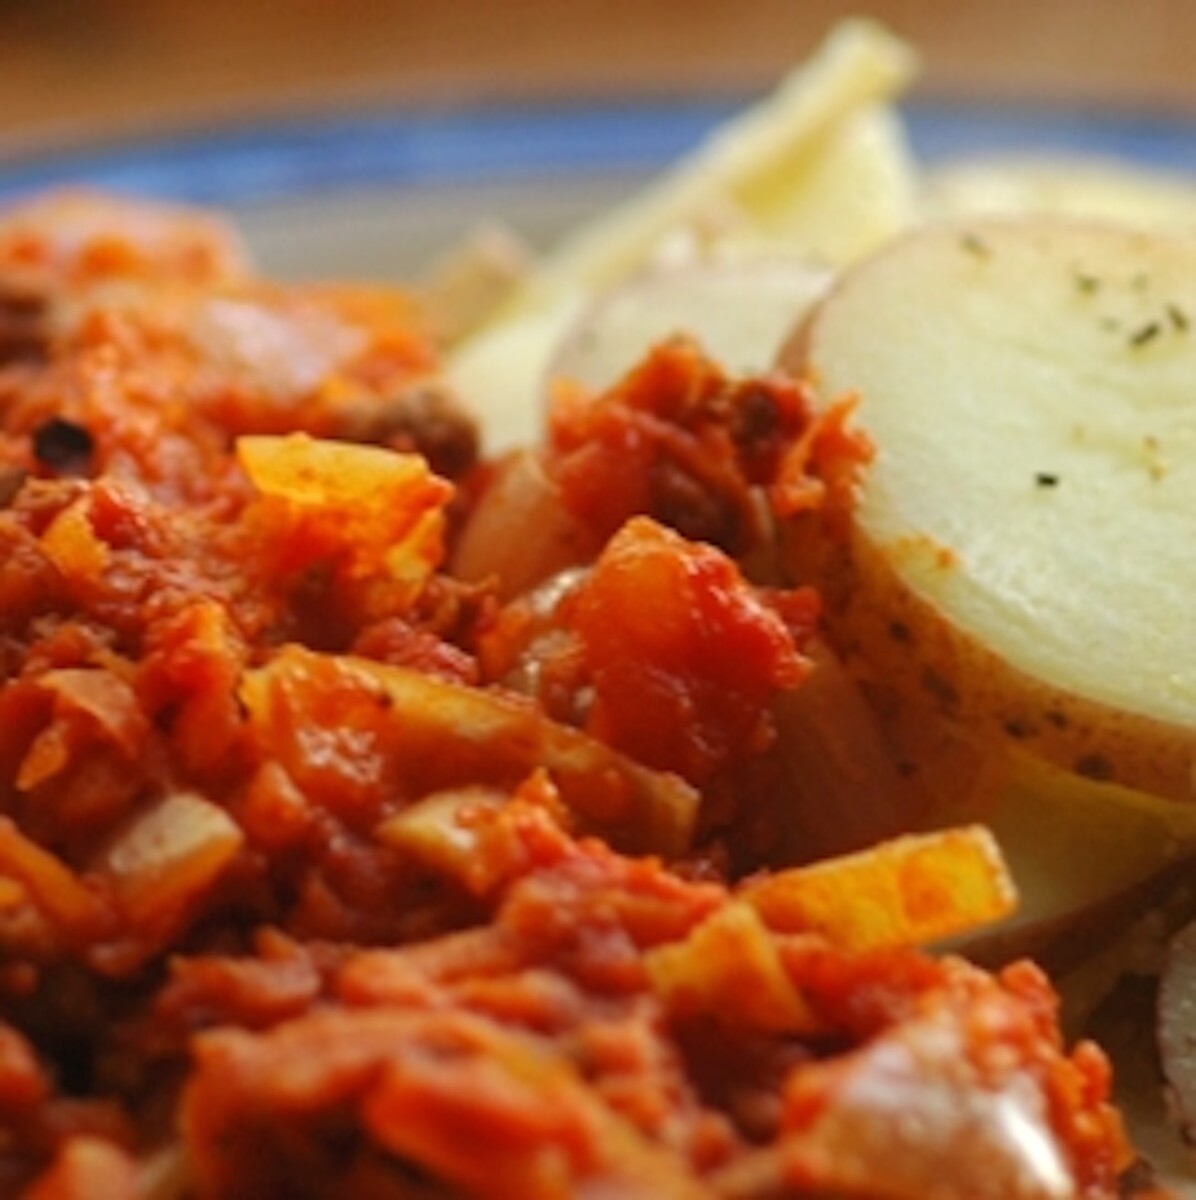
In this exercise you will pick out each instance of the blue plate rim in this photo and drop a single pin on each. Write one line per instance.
(278, 158)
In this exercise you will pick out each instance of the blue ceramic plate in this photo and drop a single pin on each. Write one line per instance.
(380, 192)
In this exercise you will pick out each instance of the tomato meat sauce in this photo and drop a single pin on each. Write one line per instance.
(330, 869)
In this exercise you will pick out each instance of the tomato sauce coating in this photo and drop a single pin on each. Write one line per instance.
(328, 871)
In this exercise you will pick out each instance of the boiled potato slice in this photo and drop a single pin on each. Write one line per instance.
(1087, 858)
(740, 312)
(1072, 186)
(1021, 562)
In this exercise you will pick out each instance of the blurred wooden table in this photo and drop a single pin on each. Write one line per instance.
(70, 68)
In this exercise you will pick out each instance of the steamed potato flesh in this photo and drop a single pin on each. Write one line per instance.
(1067, 185)
(739, 312)
(1022, 554)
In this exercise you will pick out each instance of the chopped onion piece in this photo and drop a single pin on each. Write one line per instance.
(169, 857)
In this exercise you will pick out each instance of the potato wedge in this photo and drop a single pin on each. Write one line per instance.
(763, 164)
(819, 169)
(1020, 564)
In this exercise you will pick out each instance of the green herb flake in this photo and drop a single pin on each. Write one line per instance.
(975, 245)
(1146, 334)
